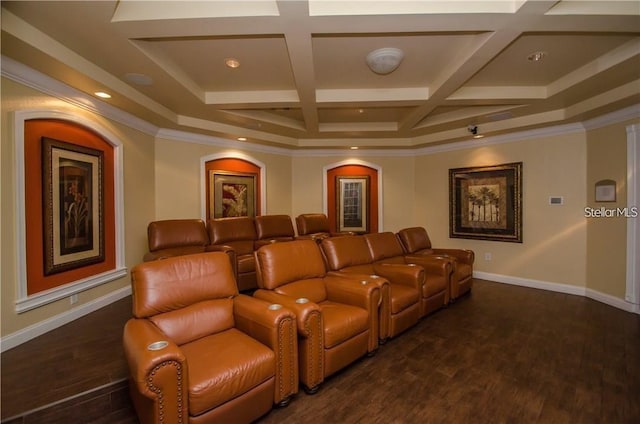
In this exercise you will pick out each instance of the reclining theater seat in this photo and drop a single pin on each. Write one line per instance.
(401, 306)
(415, 241)
(200, 352)
(337, 317)
(175, 237)
(238, 234)
(315, 226)
(385, 248)
(273, 228)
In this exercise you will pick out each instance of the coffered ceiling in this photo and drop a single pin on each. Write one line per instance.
(303, 81)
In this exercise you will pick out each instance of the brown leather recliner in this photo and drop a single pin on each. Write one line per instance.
(385, 248)
(273, 228)
(198, 351)
(401, 302)
(238, 234)
(337, 317)
(315, 226)
(175, 237)
(415, 241)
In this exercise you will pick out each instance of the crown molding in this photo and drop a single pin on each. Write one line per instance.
(31, 78)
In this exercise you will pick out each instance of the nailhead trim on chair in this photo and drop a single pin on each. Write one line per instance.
(281, 329)
(158, 391)
(320, 359)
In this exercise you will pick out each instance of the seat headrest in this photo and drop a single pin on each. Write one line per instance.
(173, 283)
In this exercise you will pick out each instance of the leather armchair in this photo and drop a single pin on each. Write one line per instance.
(385, 248)
(200, 352)
(239, 235)
(273, 228)
(337, 317)
(416, 242)
(400, 309)
(316, 227)
(175, 237)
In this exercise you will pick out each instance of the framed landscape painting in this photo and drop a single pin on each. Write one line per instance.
(486, 202)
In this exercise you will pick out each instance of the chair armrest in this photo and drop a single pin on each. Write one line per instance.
(308, 315)
(462, 255)
(438, 265)
(405, 274)
(310, 333)
(275, 328)
(160, 375)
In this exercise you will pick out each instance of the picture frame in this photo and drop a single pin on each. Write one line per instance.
(486, 202)
(73, 206)
(605, 191)
(232, 194)
(352, 203)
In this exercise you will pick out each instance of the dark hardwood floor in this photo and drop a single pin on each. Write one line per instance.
(502, 354)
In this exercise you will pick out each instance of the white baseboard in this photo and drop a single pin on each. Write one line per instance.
(560, 288)
(14, 339)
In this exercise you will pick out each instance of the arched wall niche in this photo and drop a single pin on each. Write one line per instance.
(36, 285)
(231, 167)
(354, 168)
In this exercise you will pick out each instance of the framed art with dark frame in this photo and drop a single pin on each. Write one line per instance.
(73, 205)
(352, 202)
(232, 194)
(486, 202)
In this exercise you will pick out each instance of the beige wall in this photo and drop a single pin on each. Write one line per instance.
(178, 177)
(606, 237)
(138, 202)
(554, 237)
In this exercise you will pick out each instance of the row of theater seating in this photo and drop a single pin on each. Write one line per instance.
(239, 237)
(199, 351)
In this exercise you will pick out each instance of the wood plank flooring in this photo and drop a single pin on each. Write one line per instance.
(500, 355)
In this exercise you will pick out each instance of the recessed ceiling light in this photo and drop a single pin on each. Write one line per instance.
(232, 62)
(354, 147)
(478, 136)
(242, 139)
(536, 56)
(102, 95)
(360, 110)
(139, 79)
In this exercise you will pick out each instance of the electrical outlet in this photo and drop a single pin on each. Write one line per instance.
(487, 256)
(73, 299)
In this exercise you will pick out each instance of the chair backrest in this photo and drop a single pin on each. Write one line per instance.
(173, 233)
(187, 297)
(274, 227)
(237, 232)
(312, 223)
(384, 247)
(414, 239)
(346, 251)
(280, 264)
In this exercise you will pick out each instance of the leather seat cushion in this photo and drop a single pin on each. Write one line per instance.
(223, 366)
(402, 297)
(342, 322)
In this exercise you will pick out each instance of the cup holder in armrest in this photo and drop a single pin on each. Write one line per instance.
(159, 345)
(275, 307)
(302, 300)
